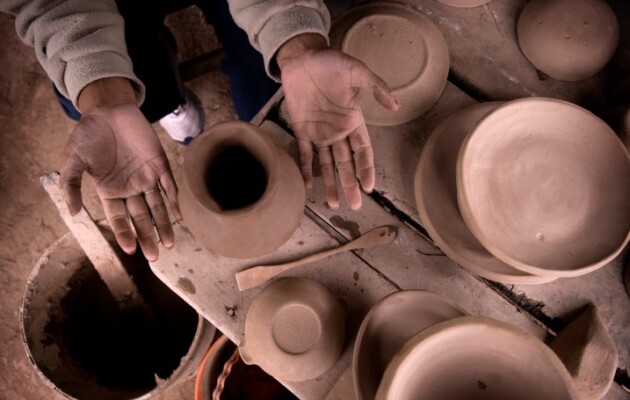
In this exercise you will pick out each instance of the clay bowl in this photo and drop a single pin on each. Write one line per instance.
(464, 3)
(544, 185)
(388, 326)
(569, 40)
(475, 358)
(403, 47)
(436, 199)
(294, 330)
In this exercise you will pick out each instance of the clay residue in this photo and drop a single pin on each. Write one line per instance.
(350, 226)
(186, 285)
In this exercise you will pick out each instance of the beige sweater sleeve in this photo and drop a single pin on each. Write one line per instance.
(270, 23)
(76, 42)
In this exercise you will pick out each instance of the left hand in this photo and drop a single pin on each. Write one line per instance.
(322, 88)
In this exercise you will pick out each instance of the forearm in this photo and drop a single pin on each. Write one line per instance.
(76, 42)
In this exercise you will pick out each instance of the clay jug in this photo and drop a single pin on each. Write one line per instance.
(241, 195)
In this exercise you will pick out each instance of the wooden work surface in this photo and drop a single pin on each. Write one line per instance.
(486, 64)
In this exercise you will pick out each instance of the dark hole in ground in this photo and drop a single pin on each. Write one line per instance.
(235, 178)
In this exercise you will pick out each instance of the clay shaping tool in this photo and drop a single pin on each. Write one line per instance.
(256, 276)
(98, 250)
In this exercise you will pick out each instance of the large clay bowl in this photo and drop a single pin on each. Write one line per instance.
(294, 330)
(388, 326)
(475, 358)
(403, 47)
(464, 3)
(436, 199)
(545, 187)
(569, 40)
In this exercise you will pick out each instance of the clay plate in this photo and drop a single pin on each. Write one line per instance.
(544, 185)
(436, 199)
(404, 48)
(475, 358)
(387, 327)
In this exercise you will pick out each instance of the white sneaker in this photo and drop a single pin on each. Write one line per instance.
(187, 121)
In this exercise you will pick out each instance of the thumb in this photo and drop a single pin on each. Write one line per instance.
(70, 181)
(367, 80)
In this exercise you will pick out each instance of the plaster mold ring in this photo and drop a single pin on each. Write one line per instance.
(241, 195)
(475, 357)
(436, 199)
(404, 48)
(387, 327)
(569, 40)
(464, 3)
(294, 330)
(544, 185)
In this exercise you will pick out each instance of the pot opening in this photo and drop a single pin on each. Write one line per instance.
(235, 178)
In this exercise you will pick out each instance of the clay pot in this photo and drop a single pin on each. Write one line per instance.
(464, 3)
(403, 47)
(242, 196)
(388, 326)
(569, 40)
(435, 186)
(294, 330)
(544, 185)
(475, 358)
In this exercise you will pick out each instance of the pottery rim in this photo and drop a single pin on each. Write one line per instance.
(417, 302)
(464, 3)
(447, 227)
(260, 345)
(530, 108)
(469, 334)
(415, 99)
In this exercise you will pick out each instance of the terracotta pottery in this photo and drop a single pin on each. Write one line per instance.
(464, 3)
(388, 326)
(403, 47)
(544, 185)
(588, 352)
(475, 358)
(294, 330)
(569, 40)
(627, 275)
(242, 196)
(436, 199)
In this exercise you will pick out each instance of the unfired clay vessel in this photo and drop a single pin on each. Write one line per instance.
(388, 326)
(588, 352)
(242, 196)
(436, 199)
(475, 358)
(544, 185)
(569, 40)
(294, 330)
(465, 3)
(403, 47)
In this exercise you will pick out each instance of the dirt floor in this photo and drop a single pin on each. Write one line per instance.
(33, 132)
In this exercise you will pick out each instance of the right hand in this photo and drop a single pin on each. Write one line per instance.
(116, 146)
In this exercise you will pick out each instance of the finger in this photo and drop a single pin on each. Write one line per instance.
(116, 214)
(141, 218)
(328, 176)
(162, 223)
(347, 177)
(167, 181)
(70, 181)
(363, 157)
(365, 79)
(306, 161)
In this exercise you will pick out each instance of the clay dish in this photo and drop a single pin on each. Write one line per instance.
(403, 47)
(436, 199)
(464, 3)
(388, 326)
(544, 185)
(241, 195)
(568, 40)
(475, 358)
(294, 330)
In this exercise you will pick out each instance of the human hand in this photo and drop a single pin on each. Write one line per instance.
(322, 88)
(119, 150)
